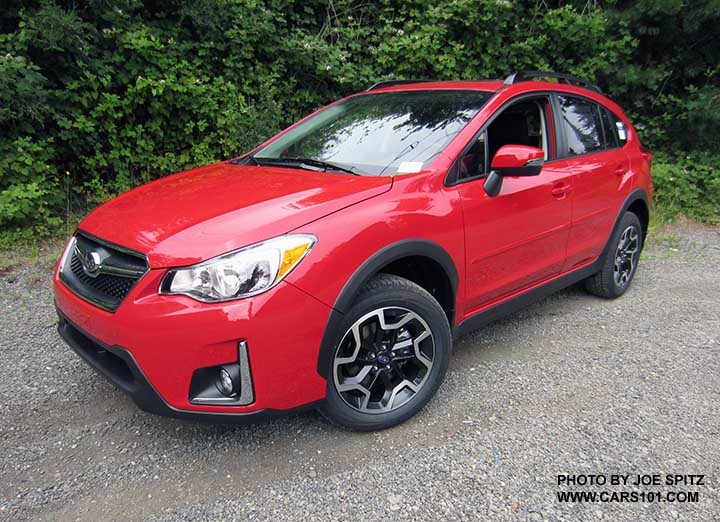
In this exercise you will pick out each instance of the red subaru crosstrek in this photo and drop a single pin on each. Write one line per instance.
(333, 265)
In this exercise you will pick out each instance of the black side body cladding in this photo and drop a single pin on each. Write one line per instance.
(521, 301)
(373, 265)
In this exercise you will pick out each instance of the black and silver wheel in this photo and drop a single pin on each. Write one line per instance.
(391, 358)
(626, 256)
(621, 260)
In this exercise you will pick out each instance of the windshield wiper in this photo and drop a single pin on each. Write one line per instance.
(300, 162)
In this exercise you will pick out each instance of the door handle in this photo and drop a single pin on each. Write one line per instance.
(560, 190)
(620, 170)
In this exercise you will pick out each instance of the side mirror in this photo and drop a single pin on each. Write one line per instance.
(513, 160)
(518, 160)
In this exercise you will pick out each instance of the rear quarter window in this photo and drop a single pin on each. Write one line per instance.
(620, 129)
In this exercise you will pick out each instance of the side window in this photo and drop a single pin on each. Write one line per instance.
(582, 125)
(522, 123)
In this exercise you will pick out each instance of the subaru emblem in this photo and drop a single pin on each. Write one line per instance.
(91, 263)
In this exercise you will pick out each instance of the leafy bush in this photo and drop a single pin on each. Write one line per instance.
(32, 193)
(688, 184)
(23, 98)
(97, 97)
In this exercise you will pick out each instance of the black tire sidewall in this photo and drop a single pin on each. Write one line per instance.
(629, 219)
(419, 301)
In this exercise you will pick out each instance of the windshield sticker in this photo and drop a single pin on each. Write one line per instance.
(409, 167)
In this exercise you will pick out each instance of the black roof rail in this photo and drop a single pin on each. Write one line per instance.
(391, 83)
(524, 76)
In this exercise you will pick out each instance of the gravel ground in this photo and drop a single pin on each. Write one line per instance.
(573, 384)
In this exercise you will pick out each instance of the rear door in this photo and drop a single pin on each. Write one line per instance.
(519, 237)
(590, 148)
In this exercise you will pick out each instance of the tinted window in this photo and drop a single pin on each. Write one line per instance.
(609, 129)
(381, 133)
(582, 125)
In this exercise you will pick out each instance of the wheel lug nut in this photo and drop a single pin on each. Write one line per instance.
(375, 368)
(387, 367)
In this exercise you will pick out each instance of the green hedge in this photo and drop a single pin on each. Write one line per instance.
(688, 184)
(97, 97)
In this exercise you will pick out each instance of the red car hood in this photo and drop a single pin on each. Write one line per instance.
(195, 215)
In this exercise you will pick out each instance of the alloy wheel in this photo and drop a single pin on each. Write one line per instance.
(626, 255)
(383, 360)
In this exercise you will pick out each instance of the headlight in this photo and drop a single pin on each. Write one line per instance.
(245, 272)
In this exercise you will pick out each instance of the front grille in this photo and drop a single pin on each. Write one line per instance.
(113, 286)
(100, 272)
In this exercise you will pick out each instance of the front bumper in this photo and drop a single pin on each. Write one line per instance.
(118, 366)
(151, 345)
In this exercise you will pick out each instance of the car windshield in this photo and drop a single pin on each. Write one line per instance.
(377, 134)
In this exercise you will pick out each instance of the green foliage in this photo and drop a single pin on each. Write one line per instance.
(688, 184)
(98, 97)
(671, 86)
(23, 97)
(28, 184)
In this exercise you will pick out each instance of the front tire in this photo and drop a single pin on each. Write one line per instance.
(391, 357)
(621, 260)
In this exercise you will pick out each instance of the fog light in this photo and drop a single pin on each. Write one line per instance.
(226, 383)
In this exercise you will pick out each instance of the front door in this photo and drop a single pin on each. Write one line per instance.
(519, 237)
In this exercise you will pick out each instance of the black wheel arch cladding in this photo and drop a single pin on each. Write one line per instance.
(635, 198)
(372, 266)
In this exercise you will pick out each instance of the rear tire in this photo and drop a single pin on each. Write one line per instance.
(621, 260)
(391, 357)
